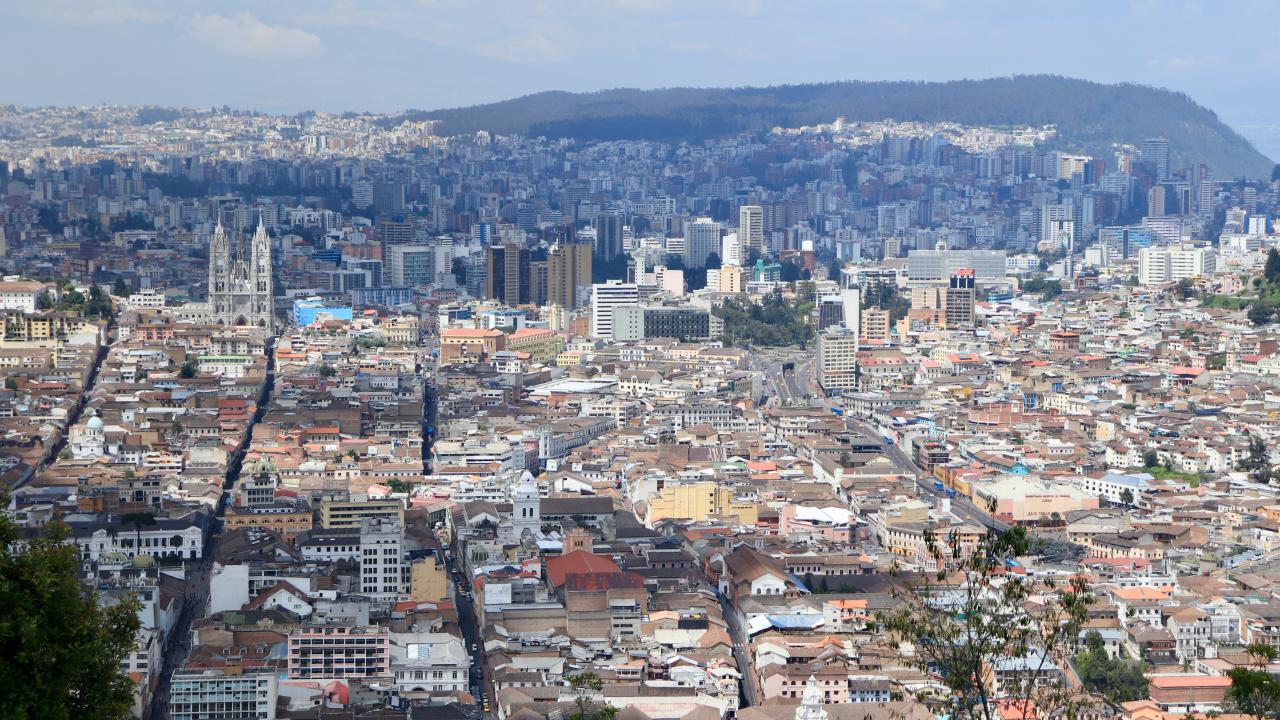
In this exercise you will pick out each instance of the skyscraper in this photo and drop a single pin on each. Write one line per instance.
(509, 279)
(604, 298)
(751, 228)
(1156, 152)
(395, 232)
(608, 235)
(1155, 200)
(568, 268)
(702, 238)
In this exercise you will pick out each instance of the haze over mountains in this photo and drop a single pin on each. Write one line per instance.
(1090, 116)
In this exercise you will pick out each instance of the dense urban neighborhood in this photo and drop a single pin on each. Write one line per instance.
(858, 420)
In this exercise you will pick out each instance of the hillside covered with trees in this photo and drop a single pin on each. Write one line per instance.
(1090, 116)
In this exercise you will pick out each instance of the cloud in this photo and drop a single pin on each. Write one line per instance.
(244, 36)
(96, 12)
(533, 46)
(1192, 62)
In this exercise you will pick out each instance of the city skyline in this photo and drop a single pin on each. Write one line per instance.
(388, 56)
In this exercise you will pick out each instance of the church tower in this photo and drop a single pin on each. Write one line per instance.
(240, 291)
(526, 506)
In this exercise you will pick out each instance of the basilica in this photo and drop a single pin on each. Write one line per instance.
(240, 282)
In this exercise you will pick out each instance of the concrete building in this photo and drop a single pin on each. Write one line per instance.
(604, 298)
(1159, 265)
(331, 652)
(702, 238)
(837, 360)
(751, 228)
(217, 695)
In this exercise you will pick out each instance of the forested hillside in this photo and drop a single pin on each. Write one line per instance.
(1090, 116)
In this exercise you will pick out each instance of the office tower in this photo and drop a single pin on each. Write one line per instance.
(1205, 200)
(1156, 152)
(222, 693)
(751, 229)
(702, 239)
(731, 250)
(1159, 265)
(604, 298)
(568, 268)
(960, 299)
(1155, 200)
(608, 228)
(538, 275)
(938, 266)
(410, 265)
(388, 198)
(508, 278)
(526, 217)
(636, 322)
(362, 193)
(395, 232)
(830, 311)
(482, 233)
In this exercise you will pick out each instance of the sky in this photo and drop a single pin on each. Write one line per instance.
(387, 55)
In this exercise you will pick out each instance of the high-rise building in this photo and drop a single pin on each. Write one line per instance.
(568, 268)
(635, 322)
(1159, 265)
(837, 359)
(382, 560)
(1156, 152)
(960, 300)
(362, 193)
(338, 651)
(395, 232)
(751, 228)
(875, 325)
(604, 298)
(1155, 200)
(388, 197)
(702, 238)
(508, 278)
(410, 265)
(538, 277)
(608, 228)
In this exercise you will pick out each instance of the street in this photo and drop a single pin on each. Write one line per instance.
(198, 572)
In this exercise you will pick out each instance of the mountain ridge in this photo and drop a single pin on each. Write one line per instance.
(1090, 116)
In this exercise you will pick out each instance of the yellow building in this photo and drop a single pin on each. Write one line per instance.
(349, 513)
(698, 501)
(428, 581)
(543, 345)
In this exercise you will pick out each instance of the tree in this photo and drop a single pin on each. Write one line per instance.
(1254, 693)
(399, 486)
(121, 288)
(44, 301)
(1262, 653)
(585, 687)
(1271, 271)
(138, 520)
(1258, 460)
(1126, 497)
(63, 649)
(327, 371)
(1150, 459)
(1260, 313)
(188, 370)
(982, 617)
(1117, 681)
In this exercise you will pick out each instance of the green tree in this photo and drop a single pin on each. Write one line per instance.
(399, 486)
(188, 370)
(1271, 271)
(1258, 460)
(138, 520)
(62, 648)
(1150, 459)
(961, 629)
(121, 288)
(1126, 497)
(1117, 681)
(1260, 313)
(326, 370)
(1254, 693)
(585, 687)
(1262, 653)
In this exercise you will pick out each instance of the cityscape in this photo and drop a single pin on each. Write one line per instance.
(345, 415)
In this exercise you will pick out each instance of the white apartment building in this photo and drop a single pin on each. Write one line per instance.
(702, 237)
(1159, 265)
(213, 695)
(751, 228)
(382, 565)
(607, 296)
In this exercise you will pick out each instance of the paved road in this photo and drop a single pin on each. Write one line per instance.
(741, 652)
(471, 638)
(961, 506)
(178, 644)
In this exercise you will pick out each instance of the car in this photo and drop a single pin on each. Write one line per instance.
(474, 647)
(485, 707)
